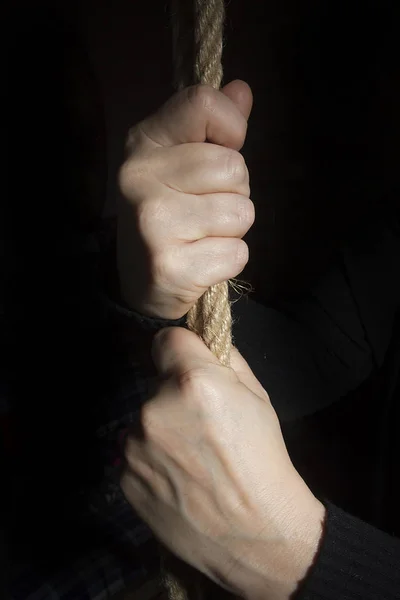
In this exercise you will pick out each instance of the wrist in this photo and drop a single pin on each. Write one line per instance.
(275, 567)
(303, 542)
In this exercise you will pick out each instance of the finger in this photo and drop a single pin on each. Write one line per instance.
(197, 114)
(246, 375)
(195, 168)
(200, 168)
(208, 261)
(195, 217)
(177, 351)
(217, 215)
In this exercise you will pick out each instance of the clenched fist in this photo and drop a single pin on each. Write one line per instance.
(184, 200)
(210, 474)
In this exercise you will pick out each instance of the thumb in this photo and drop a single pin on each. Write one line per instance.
(177, 351)
(246, 375)
(241, 95)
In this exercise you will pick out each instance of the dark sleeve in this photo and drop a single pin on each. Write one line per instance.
(312, 350)
(356, 562)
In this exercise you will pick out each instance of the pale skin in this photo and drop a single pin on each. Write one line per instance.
(211, 476)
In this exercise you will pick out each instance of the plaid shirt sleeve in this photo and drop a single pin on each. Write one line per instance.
(129, 559)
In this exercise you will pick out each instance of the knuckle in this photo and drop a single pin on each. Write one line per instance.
(130, 175)
(195, 386)
(163, 267)
(246, 211)
(242, 254)
(190, 379)
(150, 213)
(236, 168)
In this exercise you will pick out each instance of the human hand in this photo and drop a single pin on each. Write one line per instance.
(212, 477)
(185, 203)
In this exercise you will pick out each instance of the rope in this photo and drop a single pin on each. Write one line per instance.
(197, 52)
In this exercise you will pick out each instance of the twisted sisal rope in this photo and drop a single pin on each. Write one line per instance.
(198, 41)
(197, 50)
